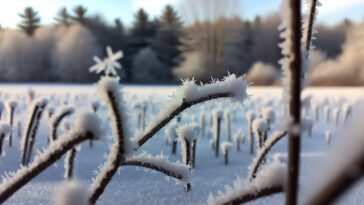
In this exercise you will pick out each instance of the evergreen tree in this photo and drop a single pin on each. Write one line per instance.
(63, 17)
(119, 26)
(170, 18)
(30, 21)
(142, 26)
(80, 14)
(167, 40)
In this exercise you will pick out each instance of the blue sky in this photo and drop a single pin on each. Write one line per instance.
(332, 11)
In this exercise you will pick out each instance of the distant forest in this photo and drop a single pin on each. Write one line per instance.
(159, 50)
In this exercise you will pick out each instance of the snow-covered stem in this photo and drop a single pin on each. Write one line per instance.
(336, 113)
(69, 164)
(250, 117)
(31, 129)
(270, 180)
(41, 162)
(308, 26)
(56, 120)
(11, 108)
(231, 87)
(260, 131)
(327, 113)
(253, 168)
(1, 108)
(109, 89)
(203, 124)
(27, 133)
(160, 164)
(33, 133)
(225, 147)
(347, 111)
(228, 125)
(328, 137)
(2, 136)
(294, 63)
(4, 130)
(193, 155)
(187, 134)
(217, 136)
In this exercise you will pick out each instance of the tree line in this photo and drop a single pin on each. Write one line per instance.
(156, 50)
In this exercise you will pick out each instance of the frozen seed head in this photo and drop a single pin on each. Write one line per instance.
(108, 84)
(249, 115)
(259, 125)
(171, 133)
(239, 135)
(90, 122)
(306, 123)
(4, 129)
(187, 132)
(71, 192)
(225, 146)
(217, 114)
(268, 114)
(12, 104)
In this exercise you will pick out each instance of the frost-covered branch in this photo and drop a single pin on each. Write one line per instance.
(308, 26)
(87, 127)
(253, 168)
(69, 164)
(341, 169)
(291, 81)
(31, 128)
(56, 120)
(109, 90)
(190, 94)
(270, 180)
(11, 105)
(160, 164)
(33, 133)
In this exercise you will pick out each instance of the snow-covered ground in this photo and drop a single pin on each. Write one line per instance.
(137, 186)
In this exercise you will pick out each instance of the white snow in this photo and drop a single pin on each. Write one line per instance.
(71, 192)
(271, 175)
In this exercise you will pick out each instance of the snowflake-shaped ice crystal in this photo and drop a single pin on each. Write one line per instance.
(109, 64)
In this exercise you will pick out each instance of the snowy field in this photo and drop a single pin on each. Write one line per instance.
(137, 186)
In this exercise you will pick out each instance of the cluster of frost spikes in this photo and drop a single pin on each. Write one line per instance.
(176, 170)
(272, 175)
(231, 87)
(285, 46)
